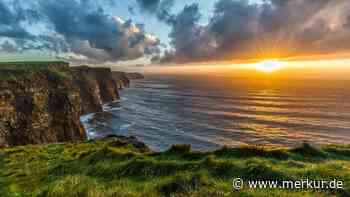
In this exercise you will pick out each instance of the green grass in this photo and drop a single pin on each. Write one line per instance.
(11, 71)
(107, 168)
(19, 64)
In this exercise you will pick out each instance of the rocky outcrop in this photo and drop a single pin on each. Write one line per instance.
(41, 107)
(97, 86)
(119, 141)
(121, 79)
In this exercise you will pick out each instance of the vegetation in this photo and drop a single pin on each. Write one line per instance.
(112, 168)
(20, 70)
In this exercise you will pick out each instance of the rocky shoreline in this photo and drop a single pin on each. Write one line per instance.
(43, 102)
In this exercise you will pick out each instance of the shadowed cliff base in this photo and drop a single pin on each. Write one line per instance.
(123, 166)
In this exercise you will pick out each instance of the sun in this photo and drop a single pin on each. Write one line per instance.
(269, 66)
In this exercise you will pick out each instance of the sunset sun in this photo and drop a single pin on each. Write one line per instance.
(269, 66)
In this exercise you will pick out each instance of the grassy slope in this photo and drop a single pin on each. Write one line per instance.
(109, 168)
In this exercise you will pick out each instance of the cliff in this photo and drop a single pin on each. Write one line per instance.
(121, 79)
(38, 104)
(43, 102)
(103, 79)
(132, 76)
(96, 85)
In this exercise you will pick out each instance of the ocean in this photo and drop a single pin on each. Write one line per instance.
(209, 112)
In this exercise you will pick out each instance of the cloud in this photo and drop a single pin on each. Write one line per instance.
(190, 40)
(149, 5)
(75, 26)
(90, 32)
(161, 8)
(239, 30)
(236, 30)
(11, 18)
(8, 47)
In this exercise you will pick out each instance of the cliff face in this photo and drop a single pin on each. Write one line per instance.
(121, 79)
(89, 92)
(108, 86)
(43, 102)
(97, 86)
(41, 107)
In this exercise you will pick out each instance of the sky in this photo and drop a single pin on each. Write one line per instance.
(175, 32)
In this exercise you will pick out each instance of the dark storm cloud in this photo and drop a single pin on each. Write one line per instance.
(90, 32)
(161, 8)
(239, 30)
(149, 5)
(190, 40)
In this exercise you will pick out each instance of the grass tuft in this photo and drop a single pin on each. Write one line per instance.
(183, 183)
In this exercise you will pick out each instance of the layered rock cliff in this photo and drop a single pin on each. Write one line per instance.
(39, 105)
(97, 86)
(121, 79)
(43, 103)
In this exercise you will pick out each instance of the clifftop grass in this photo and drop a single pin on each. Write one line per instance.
(17, 70)
(112, 168)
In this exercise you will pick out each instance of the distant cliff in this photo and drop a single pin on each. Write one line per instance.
(121, 79)
(43, 102)
(132, 76)
(97, 86)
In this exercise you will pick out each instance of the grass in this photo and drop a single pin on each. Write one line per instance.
(29, 63)
(109, 168)
(12, 71)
